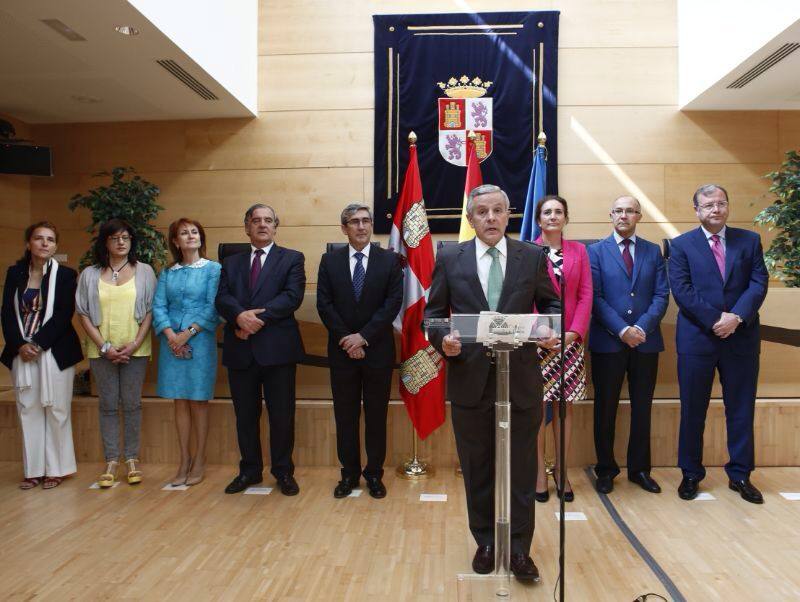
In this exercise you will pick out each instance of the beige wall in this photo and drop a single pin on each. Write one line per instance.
(310, 150)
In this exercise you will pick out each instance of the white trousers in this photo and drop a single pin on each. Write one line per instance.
(47, 448)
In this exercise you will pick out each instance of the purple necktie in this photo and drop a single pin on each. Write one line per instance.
(719, 254)
(626, 255)
(255, 269)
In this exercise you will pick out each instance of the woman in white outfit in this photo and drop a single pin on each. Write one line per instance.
(41, 350)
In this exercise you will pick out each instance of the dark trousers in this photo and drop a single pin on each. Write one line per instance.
(349, 384)
(474, 430)
(278, 383)
(739, 376)
(608, 372)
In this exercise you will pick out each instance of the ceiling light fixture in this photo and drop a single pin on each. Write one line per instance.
(127, 30)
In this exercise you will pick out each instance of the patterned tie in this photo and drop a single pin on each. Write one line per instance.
(626, 255)
(719, 254)
(255, 269)
(358, 275)
(495, 284)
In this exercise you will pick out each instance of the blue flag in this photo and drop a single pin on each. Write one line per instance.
(537, 186)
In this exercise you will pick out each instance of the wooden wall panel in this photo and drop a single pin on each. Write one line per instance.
(656, 134)
(789, 133)
(777, 433)
(316, 82)
(617, 76)
(316, 26)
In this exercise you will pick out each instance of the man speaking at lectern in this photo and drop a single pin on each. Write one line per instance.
(493, 273)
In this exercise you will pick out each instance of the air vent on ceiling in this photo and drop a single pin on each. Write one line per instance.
(188, 80)
(772, 60)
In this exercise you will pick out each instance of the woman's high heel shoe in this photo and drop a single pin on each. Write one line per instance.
(542, 496)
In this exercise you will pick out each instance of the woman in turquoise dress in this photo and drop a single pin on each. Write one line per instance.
(185, 320)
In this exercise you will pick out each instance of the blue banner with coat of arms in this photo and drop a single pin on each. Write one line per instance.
(444, 75)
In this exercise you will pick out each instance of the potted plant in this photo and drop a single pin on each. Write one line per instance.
(783, 256)
(133, 199)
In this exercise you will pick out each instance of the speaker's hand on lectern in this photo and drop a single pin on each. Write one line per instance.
(451, 345)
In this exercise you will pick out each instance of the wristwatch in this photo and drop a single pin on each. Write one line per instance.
(106, 346)
(192, 330)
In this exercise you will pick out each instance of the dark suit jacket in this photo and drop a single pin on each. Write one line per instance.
(456, 289)
(621, 300)
(279, 291)
(371, 315)
(57, 333)
(702, 296)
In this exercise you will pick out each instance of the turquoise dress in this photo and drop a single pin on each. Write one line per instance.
(184, 296)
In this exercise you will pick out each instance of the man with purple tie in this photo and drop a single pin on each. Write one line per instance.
(259, 291)
(631, 295)
(719, 281)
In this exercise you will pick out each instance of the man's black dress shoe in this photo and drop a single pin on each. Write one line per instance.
(645, 481)
(747, 490)
(376, 487)
(523, 568)
(288, 485)
(604, 484)
(687, 490)
(242, 482)
(483, 561)
(542, 496)
(345, 487)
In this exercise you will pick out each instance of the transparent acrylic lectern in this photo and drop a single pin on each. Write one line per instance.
(502, 333)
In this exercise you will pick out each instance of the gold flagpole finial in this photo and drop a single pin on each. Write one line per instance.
(412, 138)
(542, 138)
(471, 135)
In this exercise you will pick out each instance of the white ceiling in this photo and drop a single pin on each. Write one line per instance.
(777, 88)
(108, 77)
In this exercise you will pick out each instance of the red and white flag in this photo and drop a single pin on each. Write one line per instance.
(422, 368)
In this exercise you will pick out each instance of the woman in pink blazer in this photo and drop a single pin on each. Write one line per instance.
(570, 271)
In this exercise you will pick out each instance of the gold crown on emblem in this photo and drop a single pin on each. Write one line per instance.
(463, 87)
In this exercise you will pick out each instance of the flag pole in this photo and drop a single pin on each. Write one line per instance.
(414, 469)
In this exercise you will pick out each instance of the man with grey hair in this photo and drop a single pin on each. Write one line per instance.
(493, 273)
(259, 291)
(359, 293)
(719, 281)
(631, 295)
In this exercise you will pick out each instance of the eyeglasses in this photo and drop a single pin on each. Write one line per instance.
(356, 221)
(710, 206)
(625, 211)
(124, 238)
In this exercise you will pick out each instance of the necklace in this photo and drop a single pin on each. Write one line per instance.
(115, 272)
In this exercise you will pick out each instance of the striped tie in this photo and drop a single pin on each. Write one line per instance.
(358, 275)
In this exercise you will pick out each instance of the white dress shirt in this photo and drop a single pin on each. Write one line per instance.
(266, 250)
(721, 235)
(353, 260)
(621, 247)
(484, 261)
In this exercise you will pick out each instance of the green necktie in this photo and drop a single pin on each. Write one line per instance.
(495, 285)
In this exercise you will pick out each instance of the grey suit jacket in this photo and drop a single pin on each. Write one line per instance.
(456, 289)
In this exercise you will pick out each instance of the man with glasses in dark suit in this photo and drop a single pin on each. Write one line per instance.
(359, 293)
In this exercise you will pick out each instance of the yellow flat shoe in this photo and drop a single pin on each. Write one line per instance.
(134, 474)
(109, 477)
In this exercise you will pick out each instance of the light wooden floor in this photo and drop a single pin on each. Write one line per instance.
(144, 543)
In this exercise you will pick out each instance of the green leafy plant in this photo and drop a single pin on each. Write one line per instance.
(133, 199)
(783, 256)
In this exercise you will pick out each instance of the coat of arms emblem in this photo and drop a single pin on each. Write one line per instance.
(464, 108)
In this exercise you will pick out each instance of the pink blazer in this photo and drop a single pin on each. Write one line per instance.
(577, 273)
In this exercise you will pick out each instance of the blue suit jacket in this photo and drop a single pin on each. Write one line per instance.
(621, 300)
(279, 291)
(702, 296)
